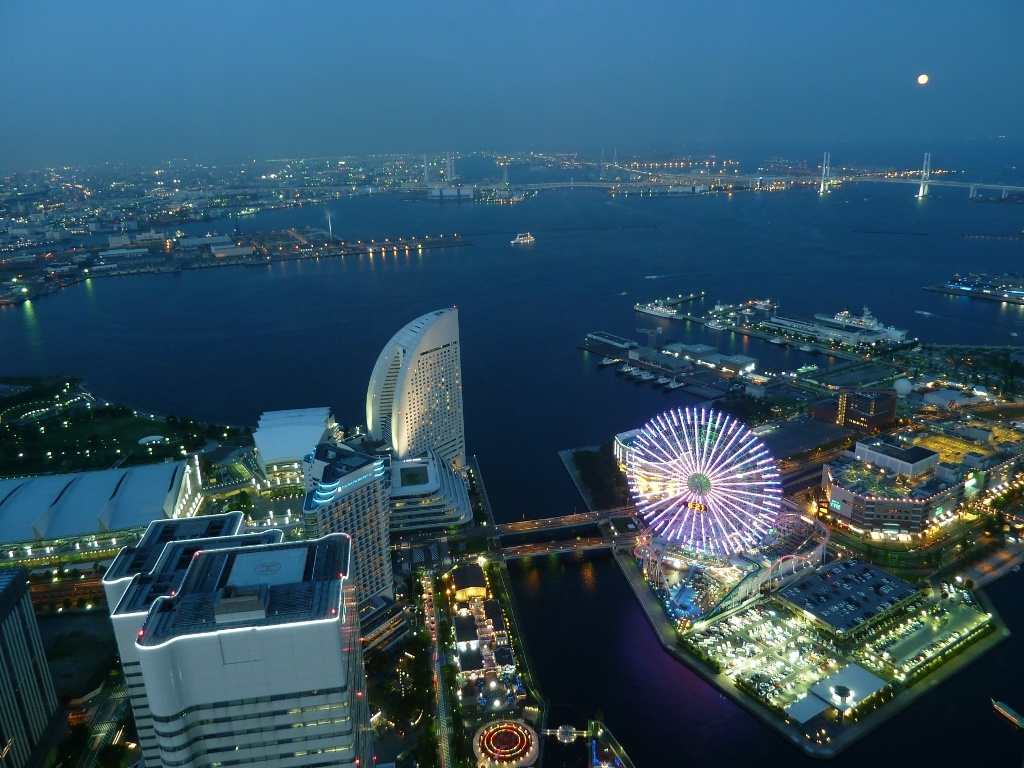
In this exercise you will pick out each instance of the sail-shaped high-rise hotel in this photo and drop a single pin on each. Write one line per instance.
(414, 402)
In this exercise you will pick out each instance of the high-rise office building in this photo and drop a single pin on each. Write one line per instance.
(31, 720)
(256, 660)
(350, 492)
(414, 401)
(155, 568)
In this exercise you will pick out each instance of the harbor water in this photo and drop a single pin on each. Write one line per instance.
(227, 344)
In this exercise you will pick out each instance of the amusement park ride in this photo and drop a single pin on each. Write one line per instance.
(717, 532)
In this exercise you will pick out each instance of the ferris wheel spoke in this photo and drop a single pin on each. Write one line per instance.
(703, 481)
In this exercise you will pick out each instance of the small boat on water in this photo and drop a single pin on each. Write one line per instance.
(648, 376)
(1008, 713)
(716, 325)
(627, 368)
(637, 373)
(663, 380)
(610, 361)
(777, 340)
(674, 385)
(523, 238)
(806, 348)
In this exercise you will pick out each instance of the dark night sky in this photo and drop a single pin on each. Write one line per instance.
(140, 81)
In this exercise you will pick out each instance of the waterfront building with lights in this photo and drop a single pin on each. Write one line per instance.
(428, 494)
(283, 438)
(350, 492)
(885, 488)
(414, 400)
(256, 659)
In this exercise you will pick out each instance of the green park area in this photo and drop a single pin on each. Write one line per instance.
(49, 424)
(601, 475)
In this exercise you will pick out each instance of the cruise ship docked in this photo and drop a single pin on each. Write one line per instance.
(866, 321)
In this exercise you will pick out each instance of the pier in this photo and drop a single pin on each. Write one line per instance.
(1000, 297)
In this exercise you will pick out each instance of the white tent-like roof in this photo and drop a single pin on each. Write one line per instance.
(287, 436)
(72, 505)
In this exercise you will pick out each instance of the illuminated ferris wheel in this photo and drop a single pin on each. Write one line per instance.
(704, 482)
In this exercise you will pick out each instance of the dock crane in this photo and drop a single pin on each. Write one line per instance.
(651, 333)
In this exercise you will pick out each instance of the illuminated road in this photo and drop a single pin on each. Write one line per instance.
(444, 728)
(104, 726)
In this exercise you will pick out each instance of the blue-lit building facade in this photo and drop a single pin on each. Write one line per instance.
(349, 492)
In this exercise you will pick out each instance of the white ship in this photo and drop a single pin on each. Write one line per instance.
(867, 320)
(523, 238)
(657, 310)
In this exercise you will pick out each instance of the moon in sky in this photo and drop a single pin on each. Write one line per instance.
(923, 79)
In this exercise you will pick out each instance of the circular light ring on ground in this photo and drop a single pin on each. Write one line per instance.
(506, 744)
(704, 482)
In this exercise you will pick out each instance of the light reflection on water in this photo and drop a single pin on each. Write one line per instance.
(593, 648)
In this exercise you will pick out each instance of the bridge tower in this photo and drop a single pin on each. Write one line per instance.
(926, 174)
(826, 173)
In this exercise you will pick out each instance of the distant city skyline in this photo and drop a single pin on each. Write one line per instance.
(123, 83)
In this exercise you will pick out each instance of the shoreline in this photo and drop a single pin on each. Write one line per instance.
(665, 633)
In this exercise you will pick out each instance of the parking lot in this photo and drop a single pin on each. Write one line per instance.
(777, 654)
(921, 636)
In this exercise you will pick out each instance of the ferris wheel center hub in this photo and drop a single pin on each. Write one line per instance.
(699, 484)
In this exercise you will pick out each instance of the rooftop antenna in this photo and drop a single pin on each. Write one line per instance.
(651, 333)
